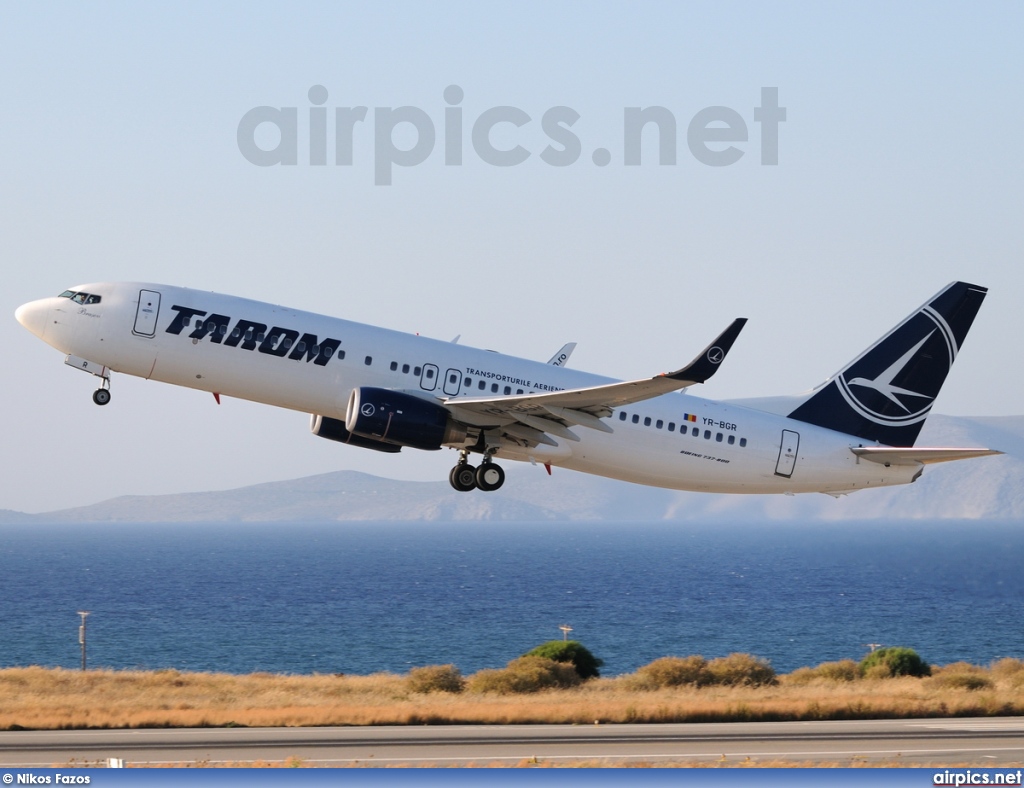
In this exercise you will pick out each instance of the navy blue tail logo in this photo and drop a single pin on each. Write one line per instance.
(886, 394)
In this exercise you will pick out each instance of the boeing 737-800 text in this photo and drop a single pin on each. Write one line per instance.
(384, 390)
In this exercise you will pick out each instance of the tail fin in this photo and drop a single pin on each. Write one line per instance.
(886, 393)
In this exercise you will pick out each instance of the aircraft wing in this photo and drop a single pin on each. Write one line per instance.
(533, 416)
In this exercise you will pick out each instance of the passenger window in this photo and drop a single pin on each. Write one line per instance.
(287, 340)
(636, 418)
(519, 391)
(468, 382)
(671, 426)
(315, 350)
(416, 371)
(260, 337)
(707, 435)
(405, 369)
(430, 374)
(341, 353)
(508, 389)
(328, 352)
(743, 441)
(718, 437)
(394, 366)
(732, 439)
(301, 347)
(235, 334)
(481, 385)
(647, 421)
(622, 415)
(453, 378)
(695, 432)
(659, 424)
(368, 360)
(494, 388)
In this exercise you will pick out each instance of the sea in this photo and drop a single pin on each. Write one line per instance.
(360, 598)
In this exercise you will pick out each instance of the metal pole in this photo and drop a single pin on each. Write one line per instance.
(81, 634)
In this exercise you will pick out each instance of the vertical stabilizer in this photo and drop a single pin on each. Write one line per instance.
(887, 392)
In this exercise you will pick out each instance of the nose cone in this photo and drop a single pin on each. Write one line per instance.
(34, 316)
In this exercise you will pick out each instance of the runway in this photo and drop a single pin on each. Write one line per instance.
(978, 741)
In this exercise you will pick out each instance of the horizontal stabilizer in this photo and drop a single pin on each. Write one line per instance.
(911, 456)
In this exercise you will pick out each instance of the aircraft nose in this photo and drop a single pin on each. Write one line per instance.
(34, 315)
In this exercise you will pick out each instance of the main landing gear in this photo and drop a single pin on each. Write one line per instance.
(488, 477)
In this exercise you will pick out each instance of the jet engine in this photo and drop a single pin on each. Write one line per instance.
(334, 430)
(400, 419)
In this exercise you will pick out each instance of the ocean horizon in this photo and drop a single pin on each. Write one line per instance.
(367, 597)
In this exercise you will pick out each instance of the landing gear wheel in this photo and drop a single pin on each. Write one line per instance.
(101, 396)
(489, 477)
(463, 477)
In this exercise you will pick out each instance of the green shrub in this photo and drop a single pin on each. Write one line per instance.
(894, 661)
(435, 678)
(571, 651)
(526, 674)
(741, 669)
(673, 672)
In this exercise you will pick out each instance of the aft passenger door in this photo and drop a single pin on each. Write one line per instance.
(787, 453)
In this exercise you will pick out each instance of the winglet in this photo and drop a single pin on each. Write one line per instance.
(707, 363)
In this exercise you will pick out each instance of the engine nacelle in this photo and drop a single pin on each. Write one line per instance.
(400, 419)
(334, 430)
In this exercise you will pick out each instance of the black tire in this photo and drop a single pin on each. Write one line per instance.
(463, 477)
(101, 396)
(489, 477)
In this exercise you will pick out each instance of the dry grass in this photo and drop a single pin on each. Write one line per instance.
(39, 698)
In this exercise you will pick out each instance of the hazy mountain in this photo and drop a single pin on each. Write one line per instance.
(991, 488)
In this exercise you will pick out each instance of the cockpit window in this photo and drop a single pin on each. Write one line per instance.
(81, 298)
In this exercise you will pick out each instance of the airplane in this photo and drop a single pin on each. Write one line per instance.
(384, 390)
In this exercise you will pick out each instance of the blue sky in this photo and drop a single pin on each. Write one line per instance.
(900, 170)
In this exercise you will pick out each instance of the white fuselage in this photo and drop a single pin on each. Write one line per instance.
(677, 441)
